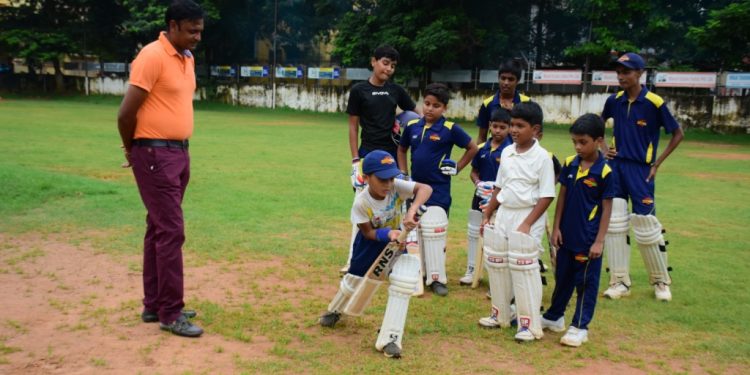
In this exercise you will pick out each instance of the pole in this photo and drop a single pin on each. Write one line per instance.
(85, 65)
(273, 77)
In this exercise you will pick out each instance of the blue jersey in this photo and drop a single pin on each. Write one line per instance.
(491, 104)
(429, 146)
(585, 190)
(487, 159)
(637, 124)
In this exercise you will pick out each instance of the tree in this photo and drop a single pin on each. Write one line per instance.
(725, 36)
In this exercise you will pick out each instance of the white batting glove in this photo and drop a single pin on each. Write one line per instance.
(358, 181)
(484, 189)
(448, 167)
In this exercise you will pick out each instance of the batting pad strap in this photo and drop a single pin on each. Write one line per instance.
(346, 289)
(620, 220)
(494, 259)
(382, 234)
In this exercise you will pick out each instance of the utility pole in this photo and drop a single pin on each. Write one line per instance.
(273, 77)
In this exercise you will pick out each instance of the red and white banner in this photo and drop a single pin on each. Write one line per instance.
(609, 78)
(557, 77)
(685, 79)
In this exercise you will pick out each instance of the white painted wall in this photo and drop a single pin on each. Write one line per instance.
(697, 112)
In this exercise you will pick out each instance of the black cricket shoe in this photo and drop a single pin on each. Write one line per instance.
(439, 288)
(182, 327)
(153, 317)
(329, 319)
(392, 350)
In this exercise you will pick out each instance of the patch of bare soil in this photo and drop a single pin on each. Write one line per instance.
(70, 309)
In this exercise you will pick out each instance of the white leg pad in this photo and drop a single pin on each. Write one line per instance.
(616, 244)
(648, 235)
(347, 286)
(523, 257)
(433, 233)
(496, 263)
(404, 279)
(475, 222)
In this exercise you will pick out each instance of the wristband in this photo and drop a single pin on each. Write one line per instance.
(354, 160)
(382, 234)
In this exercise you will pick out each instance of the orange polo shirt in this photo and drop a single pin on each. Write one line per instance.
(169, 78)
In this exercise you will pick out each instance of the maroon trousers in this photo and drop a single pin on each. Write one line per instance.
(162, 174)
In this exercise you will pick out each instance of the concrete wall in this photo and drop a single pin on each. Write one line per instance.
(726, 114)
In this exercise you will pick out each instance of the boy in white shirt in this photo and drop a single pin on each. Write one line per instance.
(524, 188)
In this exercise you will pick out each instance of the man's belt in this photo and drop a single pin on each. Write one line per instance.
(161, 143)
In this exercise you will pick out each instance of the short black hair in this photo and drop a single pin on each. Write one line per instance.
(530, 112)
(589, 124)
(439, 90)
(500, 115)
(387, 52)
(181, 10)
(512, 67)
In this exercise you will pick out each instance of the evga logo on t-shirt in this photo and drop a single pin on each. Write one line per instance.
(380, 93)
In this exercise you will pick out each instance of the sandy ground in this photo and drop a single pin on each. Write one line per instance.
(71, 309)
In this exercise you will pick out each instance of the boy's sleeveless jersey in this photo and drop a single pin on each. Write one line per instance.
(585, 190)
(376, 108)
(637, 124)
(487, 159)
(490, 104)
(430, 145)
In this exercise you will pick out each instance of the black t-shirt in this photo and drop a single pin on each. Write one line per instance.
(376, 108)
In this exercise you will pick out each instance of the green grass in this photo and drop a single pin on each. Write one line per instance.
(274, 185)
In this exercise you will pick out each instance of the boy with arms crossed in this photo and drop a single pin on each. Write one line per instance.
(431, 140)
(581, 221)
(377, 214)
(506, 96)
(484, 168)
(638, 116)
(524, 188)
(372, 105)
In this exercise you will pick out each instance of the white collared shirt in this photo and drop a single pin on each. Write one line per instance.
(525, 177)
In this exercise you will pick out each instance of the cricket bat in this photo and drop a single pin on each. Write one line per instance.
(377, 273)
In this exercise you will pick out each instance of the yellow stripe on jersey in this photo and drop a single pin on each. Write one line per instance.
(649, 153)
(606, 170)
(569, 160)
(582, 173)
(482, 145)
(523, 97)
(593, 212)
(488, 100)
(449, 124)
(412, 122)
(656, 99)
(619, 94)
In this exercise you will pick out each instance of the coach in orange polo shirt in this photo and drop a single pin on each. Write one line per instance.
(155, 122)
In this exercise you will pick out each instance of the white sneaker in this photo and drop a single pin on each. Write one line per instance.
(554, 325)
(662, 292)
(468, 277)
(489, 322)
(575, 337)
(616, 291)
(524, 335)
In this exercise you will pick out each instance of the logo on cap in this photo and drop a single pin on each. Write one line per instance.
(623, 58)
(387, 160)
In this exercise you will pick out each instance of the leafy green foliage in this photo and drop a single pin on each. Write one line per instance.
(725, 34)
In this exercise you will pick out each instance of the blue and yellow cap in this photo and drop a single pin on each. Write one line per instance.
(632, 61)
(381, 164)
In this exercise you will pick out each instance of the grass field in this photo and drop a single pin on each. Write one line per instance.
(274, 186)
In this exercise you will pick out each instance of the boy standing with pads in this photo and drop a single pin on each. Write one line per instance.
(431, 140)
(638, 117)
(581, 221)
(524, 188)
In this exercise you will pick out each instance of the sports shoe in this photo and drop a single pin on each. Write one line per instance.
(467, 279)
(662, 292)
(524, 335)
(554, 325)
(153, 317)
(329, 319)
(489, 322)
(575, 337)
(616, 291)
(182, 327)
(392, 350)
(439, 288)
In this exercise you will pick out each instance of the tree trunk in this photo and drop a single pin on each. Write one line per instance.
(59, 82)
